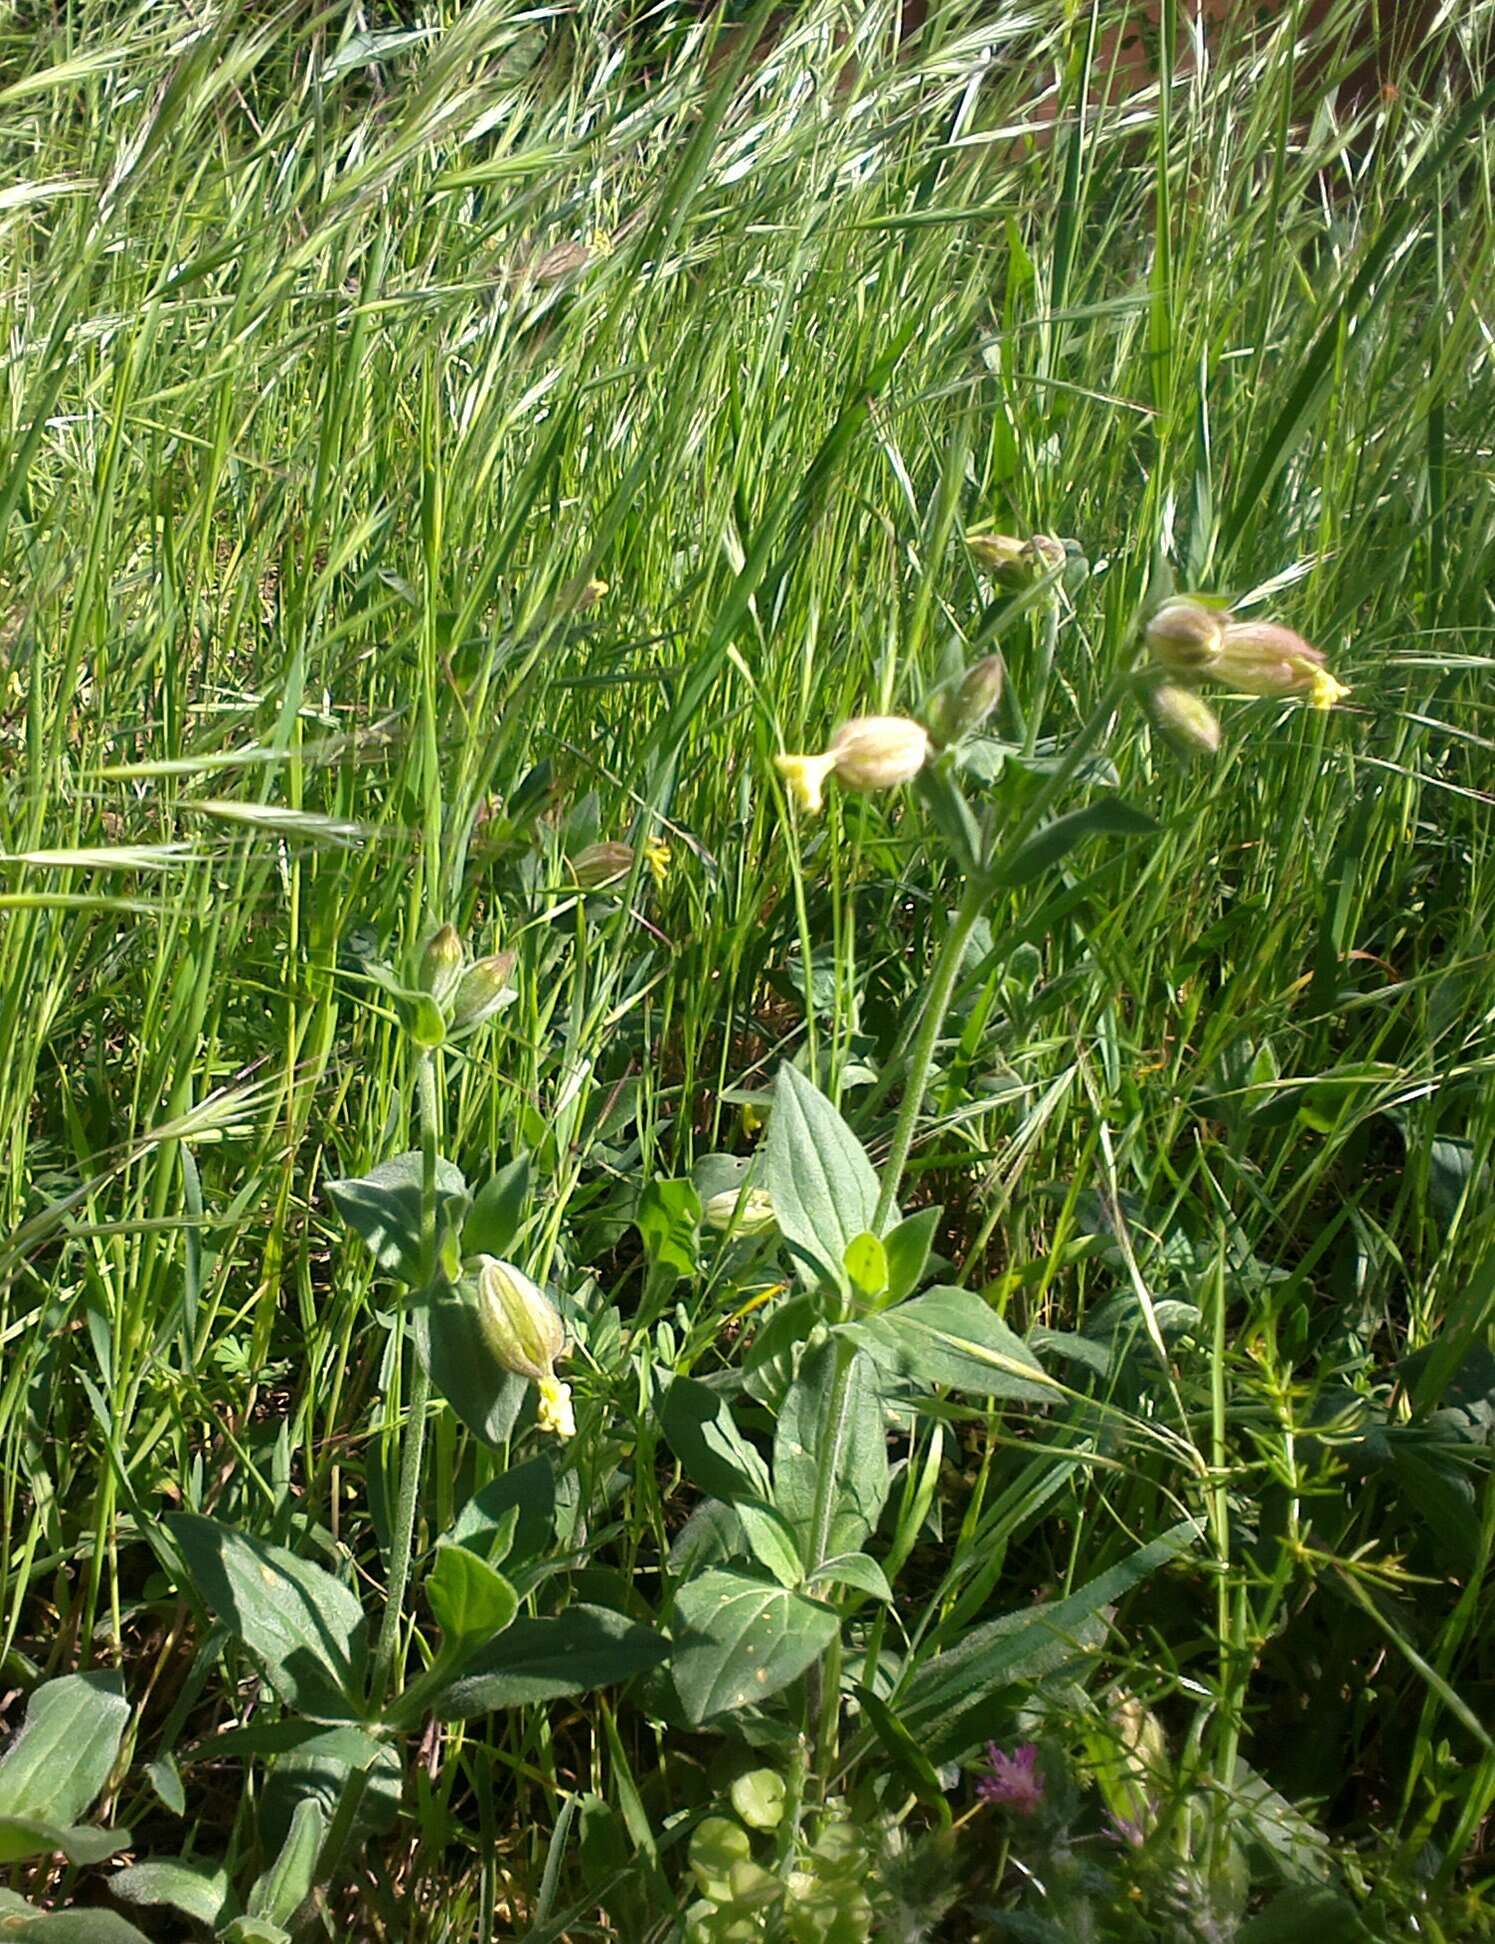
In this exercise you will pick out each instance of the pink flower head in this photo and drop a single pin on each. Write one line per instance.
(1013, 1780)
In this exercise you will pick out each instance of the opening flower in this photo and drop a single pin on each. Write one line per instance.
(1261, 658)
(523, 1329)
(805, 778)
(1012, 1780)
(555, 1413)
(867, 753)
(657, 857)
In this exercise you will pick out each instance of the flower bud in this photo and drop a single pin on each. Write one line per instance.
(879, 752)
(1017, 563)
(484, 990)
(1260, 658)
(601, 864)
(520, 1324)
(441, 965)
(1184, 719)
(959, 709)
(999, 553)
(1185, 638)
(745, 1214)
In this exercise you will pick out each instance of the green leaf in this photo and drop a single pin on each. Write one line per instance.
(668, 1217)
(866, 1265)
(71, 1927)
(165, 1778)
(449, 1341)
(772, 1540)
(905, 1753)
(854, 1448)
(61, 1758)
(1306, 1914)
(540, 1660)
(823, 1188)
(80, 1843)
(1109, 817)
(946, 1702)
(716, 1456)
(856, 1569)
(949, 1336)
(303, 1626)
(529, 1491)
(383, 1207)
(285, 1885)
(740, 1639)
(196, 1889)
(470, 1600)
(908, 1246)
(497, 1214)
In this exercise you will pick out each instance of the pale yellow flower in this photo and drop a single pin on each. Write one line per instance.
(867, 753)
(555, 1414)
(1262, 658)
(805, 777)
(657, 857)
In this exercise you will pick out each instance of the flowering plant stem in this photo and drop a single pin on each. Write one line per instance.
(978, 890)
(412, 1451)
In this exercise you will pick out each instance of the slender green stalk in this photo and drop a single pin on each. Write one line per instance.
(921, 1057)
(413, 1447)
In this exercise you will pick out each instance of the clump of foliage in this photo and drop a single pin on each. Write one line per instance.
(743, 942)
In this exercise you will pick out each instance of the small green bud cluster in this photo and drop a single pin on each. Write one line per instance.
(454, 995)
(1192, 640)
(823, 1900)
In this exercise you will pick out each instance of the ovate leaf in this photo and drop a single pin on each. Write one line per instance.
(197, 1890)
(527, 1490)
(81, 1843)
(539, 1660)
(497, 1212)
(61, 1759)
(716, 1456)
(450, 1342)
(470, 1600)
(949, 1336)
(384, 1206)
(668, 1217)
(303, 1626)
(740, 1638)
(823, 1188)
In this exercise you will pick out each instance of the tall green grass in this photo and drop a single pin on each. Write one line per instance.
(311, 440)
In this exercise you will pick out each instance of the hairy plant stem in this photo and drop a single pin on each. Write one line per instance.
(412, 1451)
(921, 1056)
(941, 990)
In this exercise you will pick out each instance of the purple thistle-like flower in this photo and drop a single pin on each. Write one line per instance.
(1012, 1780)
